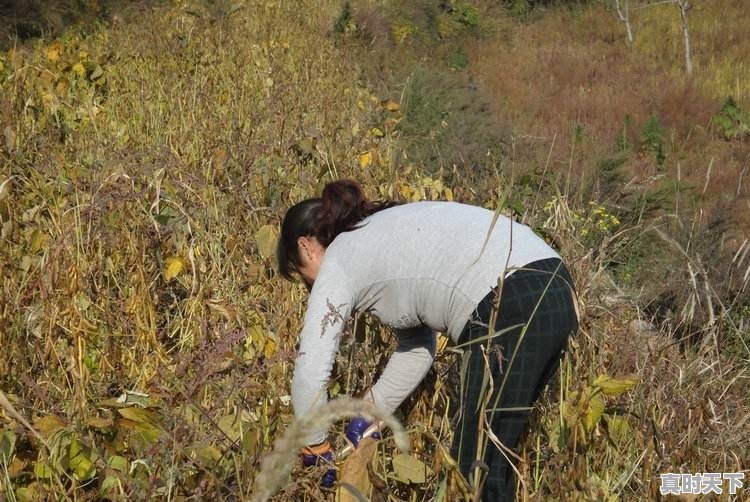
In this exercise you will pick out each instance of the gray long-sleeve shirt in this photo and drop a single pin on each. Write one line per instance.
(417, 267)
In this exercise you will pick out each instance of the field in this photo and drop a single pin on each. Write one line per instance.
(148, 151)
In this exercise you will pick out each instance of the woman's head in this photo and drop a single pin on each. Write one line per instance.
(311, 225)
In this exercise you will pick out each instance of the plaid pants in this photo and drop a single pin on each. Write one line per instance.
(539, 297)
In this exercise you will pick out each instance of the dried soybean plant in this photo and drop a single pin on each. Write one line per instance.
(276, 466)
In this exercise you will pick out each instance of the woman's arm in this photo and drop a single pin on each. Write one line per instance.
(328, 309)
(406, 368)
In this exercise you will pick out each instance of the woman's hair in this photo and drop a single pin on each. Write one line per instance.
(340, 208)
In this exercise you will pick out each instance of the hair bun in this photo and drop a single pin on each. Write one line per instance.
(343, 205)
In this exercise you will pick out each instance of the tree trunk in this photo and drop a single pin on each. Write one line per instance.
(624, 15)
(684, 6)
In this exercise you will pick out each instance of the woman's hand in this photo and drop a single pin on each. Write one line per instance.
(360, 428)
(320, 454)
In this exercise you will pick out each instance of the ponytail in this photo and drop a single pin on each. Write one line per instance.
(341, 208)
(343, 205)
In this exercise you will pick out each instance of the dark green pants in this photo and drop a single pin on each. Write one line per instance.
(539, 297)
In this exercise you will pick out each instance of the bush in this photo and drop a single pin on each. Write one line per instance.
(446, 122)
(733, 120)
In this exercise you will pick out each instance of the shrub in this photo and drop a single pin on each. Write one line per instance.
(733, 120)
(652, 139)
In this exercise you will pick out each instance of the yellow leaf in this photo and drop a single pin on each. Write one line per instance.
(390, 105)
(173, 267)
(365, 159)
(448, 193)
(593, 413)
(376, 132)
(79, 69)
(265, 240)
(405, 191)
(614, 386)
(270, 348)
(408, 469)
(54, 51)
(354, 473)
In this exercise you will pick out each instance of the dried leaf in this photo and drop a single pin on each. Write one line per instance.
(231, 426)
(617, 427)
(111, 486)
(96, 73)
(207, 455)
(48, 425)
(390, 105)
(408, 469)
(265, 240)
(354, 472)
(37, 241)
(139, 415)
(100, 423)
(6, 185)
(142, 421)
(54, 51)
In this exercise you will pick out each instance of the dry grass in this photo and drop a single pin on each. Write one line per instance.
(142, 166)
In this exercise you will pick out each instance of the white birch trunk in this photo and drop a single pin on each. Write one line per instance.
(623, 13)
(684, 6)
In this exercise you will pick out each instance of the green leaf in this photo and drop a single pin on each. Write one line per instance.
(42, 470)
(81, 461)
(118, 463)
(7, 446)
(28, 493)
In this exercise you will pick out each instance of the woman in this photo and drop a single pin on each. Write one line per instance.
(424, 267)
